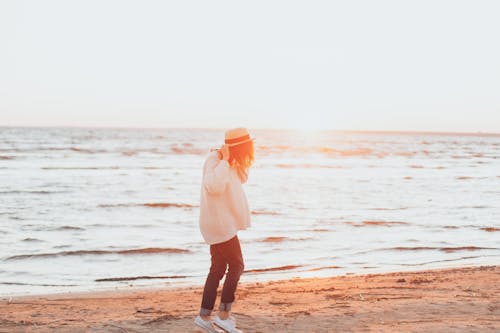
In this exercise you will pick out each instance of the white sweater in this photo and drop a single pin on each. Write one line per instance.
(223, 204)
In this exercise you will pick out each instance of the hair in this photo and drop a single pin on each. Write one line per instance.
(242, 156)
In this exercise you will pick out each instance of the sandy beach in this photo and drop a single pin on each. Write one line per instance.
(444, 300)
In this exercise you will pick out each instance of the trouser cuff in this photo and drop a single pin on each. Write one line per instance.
(205, 312)
(225, 307)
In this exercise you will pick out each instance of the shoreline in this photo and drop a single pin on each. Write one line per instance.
(263, 276)
(463, 299)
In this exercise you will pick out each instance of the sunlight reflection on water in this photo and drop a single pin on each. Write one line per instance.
(73, 201)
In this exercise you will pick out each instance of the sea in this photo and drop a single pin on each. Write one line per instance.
(88, 209)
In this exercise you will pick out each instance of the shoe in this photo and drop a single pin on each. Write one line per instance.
(206, 325)
(227, 325)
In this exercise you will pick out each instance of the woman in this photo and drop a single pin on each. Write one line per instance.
(224, 211)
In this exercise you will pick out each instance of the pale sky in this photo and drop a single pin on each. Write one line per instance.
(351, 65)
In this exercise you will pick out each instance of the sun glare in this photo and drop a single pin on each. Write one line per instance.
(307, 125)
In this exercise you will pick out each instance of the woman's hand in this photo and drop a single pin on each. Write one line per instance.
(224, 153)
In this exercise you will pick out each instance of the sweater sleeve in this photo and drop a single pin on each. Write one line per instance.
(216, 175)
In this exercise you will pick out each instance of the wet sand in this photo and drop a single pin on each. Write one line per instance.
(446, 300)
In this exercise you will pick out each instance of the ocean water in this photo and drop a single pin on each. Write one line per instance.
(96, 209)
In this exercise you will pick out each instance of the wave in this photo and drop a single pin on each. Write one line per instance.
(67, 227)
(414, 248)
(407, 153)
(274, 239)
(466, 248)
(183, 149)
(103, 225)
(490, 229)
(383, 208)
(71, 148)
(156, 168)
(4, 158)
(443, 249)
(307, 166)
(324, 267)
(151, 205)
(355, 152)
(263, 212)
(144, 277)
(62, 246)
(437, 261)
(186, 150)
(474, 207)
(31, 192)
(29, 239)
(87, 151)
(121, 150)
(361, 152)
(338, 152)
(333, 152)
(38, 284)
(376, 223)
(273, 269)
(168, 205)
(82, 168)
(279, 239)
(129, 153)
(149, 250)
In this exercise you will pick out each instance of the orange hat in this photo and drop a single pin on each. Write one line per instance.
(237, 136)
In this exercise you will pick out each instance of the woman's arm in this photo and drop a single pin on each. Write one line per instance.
(216, 174)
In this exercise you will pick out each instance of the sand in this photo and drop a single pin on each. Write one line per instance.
(445, 300)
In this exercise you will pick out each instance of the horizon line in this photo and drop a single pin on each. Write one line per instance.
(352, 131)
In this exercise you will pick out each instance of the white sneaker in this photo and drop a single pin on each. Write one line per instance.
(206, 325)
(228, 325)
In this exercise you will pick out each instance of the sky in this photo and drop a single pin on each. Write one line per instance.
(346, 65)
